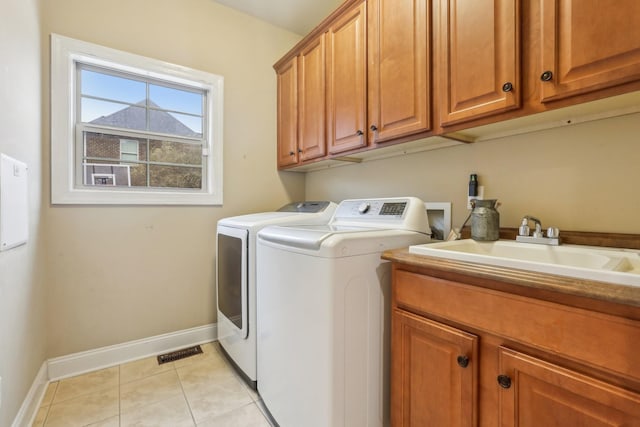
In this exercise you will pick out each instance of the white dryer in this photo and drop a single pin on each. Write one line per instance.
(324, 313)
(236, 277)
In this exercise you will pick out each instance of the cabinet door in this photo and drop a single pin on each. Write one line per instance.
(312, 141)
(433, 373)
(346, 67)
(479, 58)
(399, 68)
(538, 393)
(288, 114)
(588, 45)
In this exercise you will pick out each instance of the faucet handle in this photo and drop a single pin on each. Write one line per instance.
(553, 232)
(523, 230)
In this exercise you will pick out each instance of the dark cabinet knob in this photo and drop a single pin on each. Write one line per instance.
(507, 87)
(291, 153)
(546, 76)
(359, 132)
(504, 381)
(463, 361)
(373, 128)
(299, 150)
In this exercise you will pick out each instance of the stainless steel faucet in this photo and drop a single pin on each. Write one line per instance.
(552, 238)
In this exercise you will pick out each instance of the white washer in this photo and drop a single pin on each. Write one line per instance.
(324, 313)
(236, 277)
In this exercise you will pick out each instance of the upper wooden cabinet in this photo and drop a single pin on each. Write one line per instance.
(399, 68)
(478, 58)
(312, 114)
(378, 72)
(347, 81)
(588, 45)
(287, 151)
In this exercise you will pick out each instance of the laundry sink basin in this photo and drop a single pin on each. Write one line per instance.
(610, 265)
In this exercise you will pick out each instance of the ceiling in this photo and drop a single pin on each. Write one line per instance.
(298, 16)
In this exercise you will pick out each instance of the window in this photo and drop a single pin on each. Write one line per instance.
(127, 129)
(129, 150)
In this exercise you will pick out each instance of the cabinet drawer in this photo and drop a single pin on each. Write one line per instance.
(607, 343)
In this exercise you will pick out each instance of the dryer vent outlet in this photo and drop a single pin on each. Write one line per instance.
(179, 354)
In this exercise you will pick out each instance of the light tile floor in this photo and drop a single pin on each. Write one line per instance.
(201, 390)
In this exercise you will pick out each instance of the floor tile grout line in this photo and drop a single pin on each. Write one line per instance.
(44, 422)
(119, 395)
(184, 395)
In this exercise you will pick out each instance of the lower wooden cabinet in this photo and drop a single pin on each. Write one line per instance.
(536, 393)
(434, 373)
(466, 355)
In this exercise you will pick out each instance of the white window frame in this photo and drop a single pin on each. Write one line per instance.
(65, 53)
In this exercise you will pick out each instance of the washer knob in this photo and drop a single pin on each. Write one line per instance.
(364, 208)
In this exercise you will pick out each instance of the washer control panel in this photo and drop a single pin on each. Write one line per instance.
(396, 212)
(372, 208)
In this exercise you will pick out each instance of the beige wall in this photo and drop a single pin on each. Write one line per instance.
(22, 295)
(123, 273)
(582, 177)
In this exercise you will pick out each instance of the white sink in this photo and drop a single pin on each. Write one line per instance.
(610, 265)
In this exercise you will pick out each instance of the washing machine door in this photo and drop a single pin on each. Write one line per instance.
(231, 276)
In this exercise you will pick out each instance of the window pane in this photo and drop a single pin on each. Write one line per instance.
(175, 176)
(176, 99)
(169, 123)
(99, 173)
(105, 174)
(175, 152)
(194, 123)
(138, 175)
(105, 146)
(113, 114)
(111, 87)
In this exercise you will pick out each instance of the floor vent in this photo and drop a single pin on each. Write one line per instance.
(179, 354)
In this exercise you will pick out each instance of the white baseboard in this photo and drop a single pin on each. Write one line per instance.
(104, 357)
(27, 413)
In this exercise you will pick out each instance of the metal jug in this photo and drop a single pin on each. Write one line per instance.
(485, 220)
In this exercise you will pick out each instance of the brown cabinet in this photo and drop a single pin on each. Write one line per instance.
(302, 132)
(434, 373)
(312, 125)
(287, 110)
(360, 87)
(347, 81)
(399, 69)
(588, 45)
(536, 393)
(478, 61)
(466, 351)
(378, 72)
